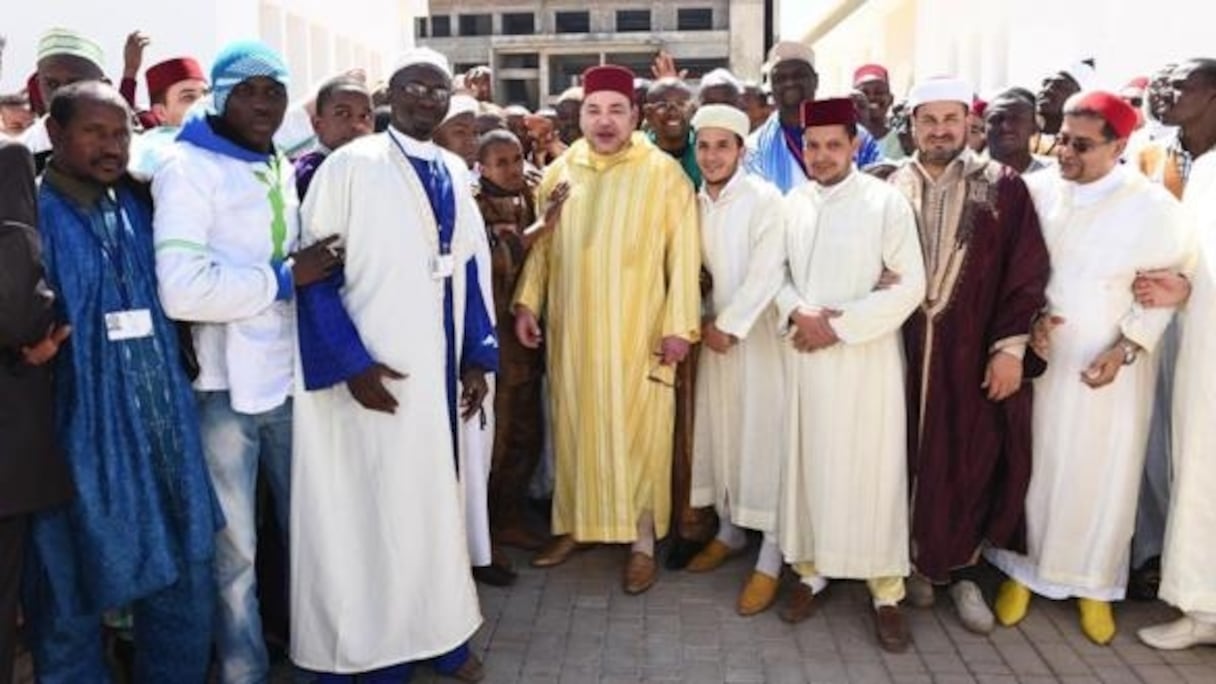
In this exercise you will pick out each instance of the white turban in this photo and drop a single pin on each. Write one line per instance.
(460, 104)
(1083, 74)
(941, 90)
(730, 118)
(423, 55)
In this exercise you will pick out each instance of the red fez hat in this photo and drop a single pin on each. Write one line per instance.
(870, 72)
(838, 111)
(162, 76)
(1113, 109)
(34, 92)
(978, 106)
(610, 77)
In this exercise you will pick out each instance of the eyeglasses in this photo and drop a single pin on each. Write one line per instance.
(1079, 145)
(662, 108)
(423, 91)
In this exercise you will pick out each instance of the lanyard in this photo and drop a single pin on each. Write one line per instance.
(445, 244)
(795, 149)
(114, 226)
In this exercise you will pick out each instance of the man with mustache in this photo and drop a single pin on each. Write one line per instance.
(141, 530)
(776, 147)
(613, 342)
(394, 350)
(844, 505)
(226, 228)
(968, 412)
(1104, 224)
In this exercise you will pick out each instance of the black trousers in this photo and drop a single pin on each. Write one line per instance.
(12, 557)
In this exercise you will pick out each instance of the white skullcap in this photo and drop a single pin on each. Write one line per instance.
(730, 118)
(460, 104)
(516, 110)
(1082, 73)
(423, 55)
(721, 77)
(789, 50)
(941, 90)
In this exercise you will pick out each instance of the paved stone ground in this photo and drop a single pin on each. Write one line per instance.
(574, 625)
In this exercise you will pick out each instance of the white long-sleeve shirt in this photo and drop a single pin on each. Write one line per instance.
(216, 238)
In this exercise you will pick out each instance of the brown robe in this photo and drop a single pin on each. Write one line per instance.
(519, 413)
(987, 268)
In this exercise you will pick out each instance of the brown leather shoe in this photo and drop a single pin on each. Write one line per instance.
(890, 628)
(641, 572)
(557, 552)
(758, 594)
(800, 605)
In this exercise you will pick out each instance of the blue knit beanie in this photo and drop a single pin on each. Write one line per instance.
(240, 61)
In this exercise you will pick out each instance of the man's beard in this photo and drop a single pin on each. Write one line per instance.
(943, 157)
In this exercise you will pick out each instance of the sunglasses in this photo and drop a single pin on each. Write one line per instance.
(1079, 145)
(421, 91)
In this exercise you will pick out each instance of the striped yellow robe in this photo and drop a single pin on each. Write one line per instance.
(618, 275)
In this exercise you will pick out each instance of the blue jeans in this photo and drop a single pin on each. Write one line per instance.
(234, 444)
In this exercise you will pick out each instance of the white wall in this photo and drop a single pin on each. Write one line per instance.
(995, 44)
(317, 37)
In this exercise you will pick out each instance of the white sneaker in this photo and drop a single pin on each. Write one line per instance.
(919, 591)
(1180, 634)
(972, 610)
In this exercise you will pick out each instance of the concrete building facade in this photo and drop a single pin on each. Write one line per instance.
(318, 38)
(537, 49)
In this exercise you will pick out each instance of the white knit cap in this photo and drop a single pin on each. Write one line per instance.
(460, 104)
(423, 55)
(730, 118)
(721, 77)
(941, 90)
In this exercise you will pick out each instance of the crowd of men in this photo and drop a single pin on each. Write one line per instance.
(917, 338)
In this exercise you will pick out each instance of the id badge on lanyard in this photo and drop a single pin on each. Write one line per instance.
(442, 266)
(128, 323)
(132, 324)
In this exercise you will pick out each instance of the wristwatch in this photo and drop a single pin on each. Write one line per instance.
(1130, 352)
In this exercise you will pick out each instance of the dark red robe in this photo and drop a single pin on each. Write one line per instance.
(970, 458)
